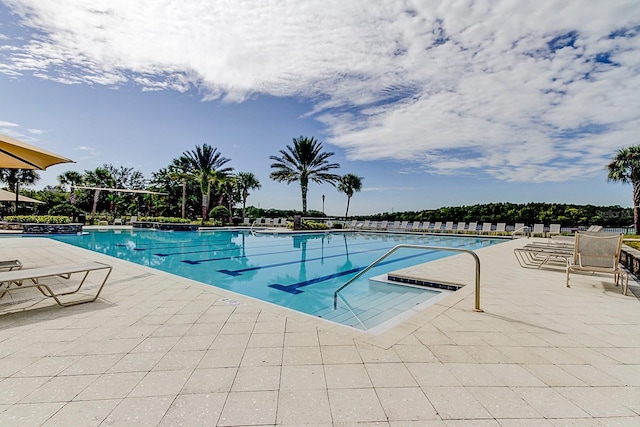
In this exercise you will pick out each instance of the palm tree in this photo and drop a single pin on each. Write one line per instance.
(246, 181)
(229, 189)
(348, 185)
(625, 167)
(100, 178)
(207, 167)
(180, 169)
(13, 178)
(71, 178)
(303, 162)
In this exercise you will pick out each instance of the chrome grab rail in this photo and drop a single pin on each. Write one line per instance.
(514, 232)
(395, 248)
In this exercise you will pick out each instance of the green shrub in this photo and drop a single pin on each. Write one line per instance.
(313, 225)
(38, 219)
(164, 219)
(209, 223)
(65, 209)
(220, 212)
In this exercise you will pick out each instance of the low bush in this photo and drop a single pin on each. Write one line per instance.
(65, 209)
(220, 213)
(164, 219)
(38, 219)
(313, 225)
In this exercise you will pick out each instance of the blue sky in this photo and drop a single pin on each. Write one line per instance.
(433, 104)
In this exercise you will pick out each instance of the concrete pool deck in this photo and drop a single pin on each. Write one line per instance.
(157, 349)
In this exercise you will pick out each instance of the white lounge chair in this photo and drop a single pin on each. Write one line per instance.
(437, 227)
(460, 227)
(473, 227)
(403, 226)
(554, 230)
(246, 221)
(35, 278)
(535, 255)
(501, 227)
(598, 254)
(448, 227)
(486, 228)
(538, 229)
(382, 225)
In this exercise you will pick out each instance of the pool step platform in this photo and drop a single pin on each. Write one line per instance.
(376, 301)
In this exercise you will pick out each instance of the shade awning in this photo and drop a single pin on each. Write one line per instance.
(16, 154)
(8, 196)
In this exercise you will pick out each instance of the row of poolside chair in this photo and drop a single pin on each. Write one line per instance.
(590, 252)
(500, 228)
(267, 222)
(432, 227)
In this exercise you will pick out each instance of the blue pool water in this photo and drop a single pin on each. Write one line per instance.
(298, 271)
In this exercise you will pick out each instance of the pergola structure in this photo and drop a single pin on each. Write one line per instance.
(122, 190)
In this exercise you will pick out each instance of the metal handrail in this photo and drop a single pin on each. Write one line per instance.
(395, 248)
(526, 227)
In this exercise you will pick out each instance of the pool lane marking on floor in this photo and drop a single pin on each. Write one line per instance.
(198, 261)
(258, 247)
(239, 272)
(294, 288)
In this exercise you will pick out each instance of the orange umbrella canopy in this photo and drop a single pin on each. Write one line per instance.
(16, 154)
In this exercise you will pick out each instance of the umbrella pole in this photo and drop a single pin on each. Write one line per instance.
(15, 209)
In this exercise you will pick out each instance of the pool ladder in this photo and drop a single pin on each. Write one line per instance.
(394, 249)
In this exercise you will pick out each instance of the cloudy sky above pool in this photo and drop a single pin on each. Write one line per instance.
(433, 103)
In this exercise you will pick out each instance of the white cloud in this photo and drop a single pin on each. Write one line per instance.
(457, 87)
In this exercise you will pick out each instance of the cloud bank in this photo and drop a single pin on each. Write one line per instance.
(541, 91)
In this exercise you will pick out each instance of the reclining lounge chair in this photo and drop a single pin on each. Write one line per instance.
(35, 278)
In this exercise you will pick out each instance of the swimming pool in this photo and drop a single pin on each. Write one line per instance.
(297, 271)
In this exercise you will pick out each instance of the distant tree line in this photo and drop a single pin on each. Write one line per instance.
(529, 213)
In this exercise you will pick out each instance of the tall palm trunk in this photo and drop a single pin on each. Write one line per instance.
(304, 184)
(205, 205)
(184, 197)
(346, 214)
(636, 205)
(96, 196)
(245, 194)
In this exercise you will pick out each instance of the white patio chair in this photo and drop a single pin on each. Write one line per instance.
(598, 254)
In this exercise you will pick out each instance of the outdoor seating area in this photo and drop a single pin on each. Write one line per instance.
(591, 252)
(461, 227)
(267, 222)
